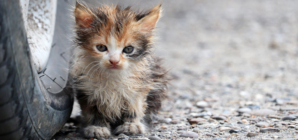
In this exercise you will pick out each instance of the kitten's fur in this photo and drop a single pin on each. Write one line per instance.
(116, 100)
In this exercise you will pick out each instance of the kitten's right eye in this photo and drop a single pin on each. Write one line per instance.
(101, 48)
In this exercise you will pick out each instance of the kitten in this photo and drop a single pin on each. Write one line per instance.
(119, 82)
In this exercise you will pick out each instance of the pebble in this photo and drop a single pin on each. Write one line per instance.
(291, 117)
(292, 102)
(154, 137)
(196, 115)
(244, 110)
(264, 130)
(202, 104)
(234, 131)
(210, 135)
(291, 126)
(174, 121)
(224, 128)
(219, 117)
(284, 123)
(274, 116)
(289, 108)
(262, 124)
(253, 107)
(275, 137)
(189, 134)
(245, 121)
(251, 134)
(263, 112)
(279, 101)
(166, 120)
(196, 121)
(196, 130)
(163, 127)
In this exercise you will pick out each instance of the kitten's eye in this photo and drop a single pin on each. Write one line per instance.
(101, 48)
(128, 49)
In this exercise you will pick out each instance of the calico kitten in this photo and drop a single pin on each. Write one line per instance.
(119, 82)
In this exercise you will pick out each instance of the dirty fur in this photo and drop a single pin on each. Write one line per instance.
(116, 89)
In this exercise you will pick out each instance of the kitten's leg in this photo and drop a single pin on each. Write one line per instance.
(96, 126)
(96, 131)
(131, 127)
(132, 123)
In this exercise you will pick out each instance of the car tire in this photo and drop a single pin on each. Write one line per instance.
(33, 105)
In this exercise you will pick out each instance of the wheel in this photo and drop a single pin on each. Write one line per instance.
(34, 103)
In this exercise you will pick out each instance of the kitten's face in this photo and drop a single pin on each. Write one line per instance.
(115, 38)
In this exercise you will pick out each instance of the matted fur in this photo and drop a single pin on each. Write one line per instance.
(109, 97)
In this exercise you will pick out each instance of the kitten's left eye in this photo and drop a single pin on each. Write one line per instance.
(128, 49)
(101, 48)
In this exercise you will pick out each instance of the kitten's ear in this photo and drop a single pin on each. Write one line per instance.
(84, 17)
(148, 21)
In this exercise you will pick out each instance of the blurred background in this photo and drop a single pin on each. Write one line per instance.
(224, 56)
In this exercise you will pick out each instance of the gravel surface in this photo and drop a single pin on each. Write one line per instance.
(234, 70)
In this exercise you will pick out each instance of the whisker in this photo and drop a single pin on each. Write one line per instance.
(91, 69)
(89, 65)
(96, 70)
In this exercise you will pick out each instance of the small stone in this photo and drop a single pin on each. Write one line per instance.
(196, 115)
(207, 99)
(196, 121)
(251, 134)
(284, 123)
(274, 116)
(253, 107)
(174, 121)
(163, 127)
(289, 108)
(279, 101)
(224, 128)
(219, 117)
(291, 117)
(291, 126)
(262, 124)
(197, 130)
(263, 112)
(292, 102)
(244, 110)
(154, 137)
(264, 130)
(259, 96)
(244, 93)
(189, 134)
(210, 135)
(245, 121)
(202, 104)
(234, 131)
(166, 120)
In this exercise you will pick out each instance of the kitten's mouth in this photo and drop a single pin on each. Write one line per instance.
(114, 67)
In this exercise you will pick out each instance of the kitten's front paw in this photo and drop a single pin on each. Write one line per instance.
(96, 131)
(131, 128)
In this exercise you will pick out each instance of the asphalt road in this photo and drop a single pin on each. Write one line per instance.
(234, 69)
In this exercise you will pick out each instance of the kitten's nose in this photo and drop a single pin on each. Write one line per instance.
(114, 62)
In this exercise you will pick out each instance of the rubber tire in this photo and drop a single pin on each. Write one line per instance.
(29, 109)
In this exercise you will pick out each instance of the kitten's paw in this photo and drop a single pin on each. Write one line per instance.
(96, 131)
(131, 128)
